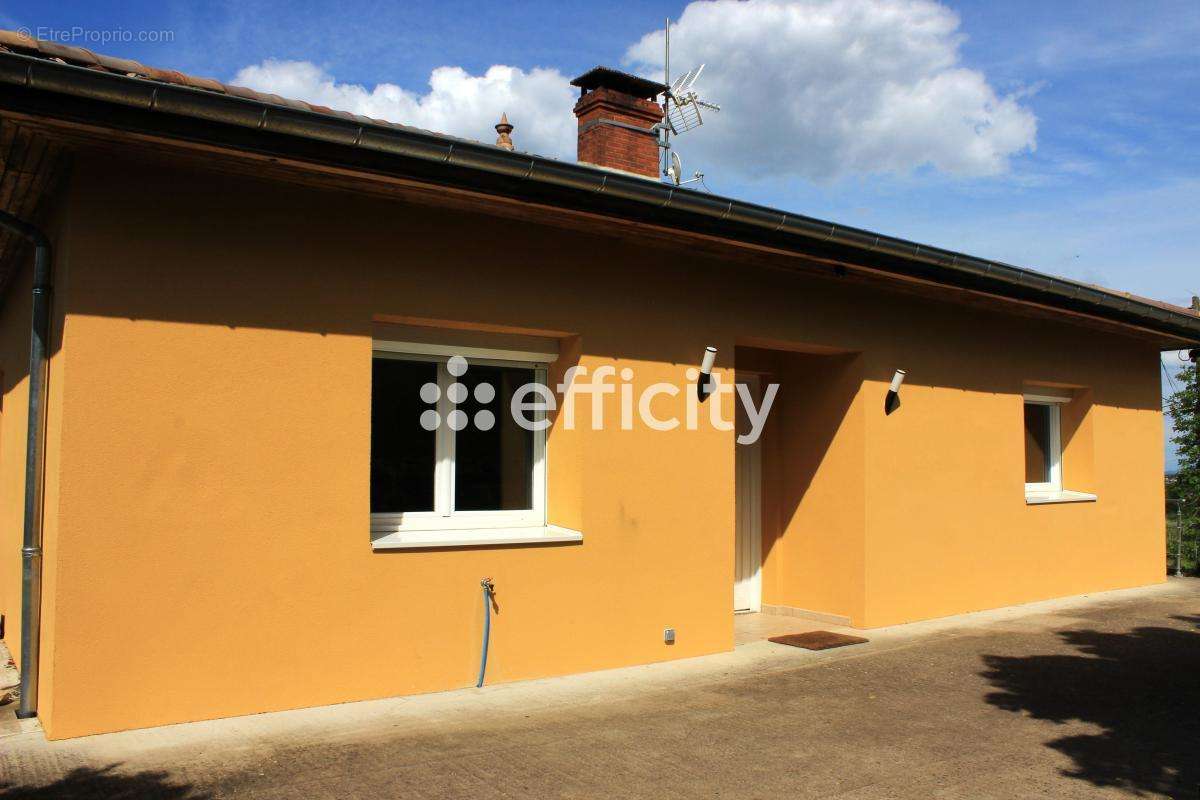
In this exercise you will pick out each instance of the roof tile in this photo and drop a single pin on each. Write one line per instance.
(242, 91)
(22, 41)
(114, 64)
(75, 55)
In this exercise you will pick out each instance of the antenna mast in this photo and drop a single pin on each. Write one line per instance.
(684, 116)
(666, 126)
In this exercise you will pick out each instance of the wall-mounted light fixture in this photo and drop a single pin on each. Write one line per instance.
(892, 401)
(703, 385)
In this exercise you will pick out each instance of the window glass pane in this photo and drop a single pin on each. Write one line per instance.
(493, 468)
(1037, 443)
(402, 451)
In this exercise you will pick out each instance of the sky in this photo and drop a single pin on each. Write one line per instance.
(1058, 136)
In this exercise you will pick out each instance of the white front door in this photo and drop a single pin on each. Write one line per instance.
(747, 561)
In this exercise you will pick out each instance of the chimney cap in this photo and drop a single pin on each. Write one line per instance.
(606, 78)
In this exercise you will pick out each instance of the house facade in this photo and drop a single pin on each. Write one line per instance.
(278, 334)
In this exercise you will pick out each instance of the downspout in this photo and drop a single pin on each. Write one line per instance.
(31, 550)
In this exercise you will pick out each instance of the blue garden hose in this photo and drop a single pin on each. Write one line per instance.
(488, 588)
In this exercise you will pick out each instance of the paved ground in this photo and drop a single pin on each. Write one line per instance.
(1090, 697)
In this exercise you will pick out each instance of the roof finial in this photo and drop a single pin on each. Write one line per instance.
(503, 129)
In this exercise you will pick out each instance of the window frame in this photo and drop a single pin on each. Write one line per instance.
(1053, 446)
(444, 517)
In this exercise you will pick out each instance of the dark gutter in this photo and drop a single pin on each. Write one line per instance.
(64, 91)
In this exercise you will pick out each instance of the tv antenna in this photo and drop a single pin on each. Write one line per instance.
(686, 113)
(681, 111)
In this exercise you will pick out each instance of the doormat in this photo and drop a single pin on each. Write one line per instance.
(817, 640)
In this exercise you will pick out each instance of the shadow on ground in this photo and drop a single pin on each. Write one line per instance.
(106, 783)
(1140, 688)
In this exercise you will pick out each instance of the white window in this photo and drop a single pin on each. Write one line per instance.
(447, 453)
(1043, 447)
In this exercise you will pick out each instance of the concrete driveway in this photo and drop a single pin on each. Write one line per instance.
(1087, 697)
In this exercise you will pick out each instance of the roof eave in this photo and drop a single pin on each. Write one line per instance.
(458, 160)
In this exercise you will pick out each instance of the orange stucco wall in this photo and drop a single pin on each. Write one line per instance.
(211, 531)
(947, 526)
(14, 352)
(814, 482)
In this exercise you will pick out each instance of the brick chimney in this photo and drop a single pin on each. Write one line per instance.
(616, 113)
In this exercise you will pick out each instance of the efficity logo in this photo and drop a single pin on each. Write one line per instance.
(457, 393)
(533, 403)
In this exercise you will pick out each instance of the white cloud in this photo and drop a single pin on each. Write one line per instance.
(538, 102)
(826, 88)
(817, 89)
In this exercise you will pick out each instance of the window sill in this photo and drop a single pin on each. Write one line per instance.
(1064, 496)
(480, 537)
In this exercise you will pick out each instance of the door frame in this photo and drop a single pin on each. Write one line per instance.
(748, 504)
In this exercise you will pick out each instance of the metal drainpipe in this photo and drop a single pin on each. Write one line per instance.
(31, 551)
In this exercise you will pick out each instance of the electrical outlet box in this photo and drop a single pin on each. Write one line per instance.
(669, 635)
